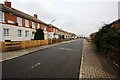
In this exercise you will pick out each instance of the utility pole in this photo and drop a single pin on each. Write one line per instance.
(51, 30)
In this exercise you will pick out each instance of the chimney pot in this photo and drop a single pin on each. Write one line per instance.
(35, 16)
(7, 3)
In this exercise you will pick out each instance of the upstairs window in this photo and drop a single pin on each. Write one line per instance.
(44, 28)
(27, 23)
(33, 24)
(19, 20)
(6, 32)
(38, 26)
(1, 16)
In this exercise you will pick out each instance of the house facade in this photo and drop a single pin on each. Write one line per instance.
(16, 25)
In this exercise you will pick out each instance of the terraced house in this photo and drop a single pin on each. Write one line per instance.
(19, 26)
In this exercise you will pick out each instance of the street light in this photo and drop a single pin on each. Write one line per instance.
(51, 30)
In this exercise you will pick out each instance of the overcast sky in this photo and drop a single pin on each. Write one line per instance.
(79, 16)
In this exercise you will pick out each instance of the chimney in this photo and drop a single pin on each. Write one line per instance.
(7, 3)
(35, 16)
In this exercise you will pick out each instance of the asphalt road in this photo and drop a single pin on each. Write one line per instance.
(61, 61)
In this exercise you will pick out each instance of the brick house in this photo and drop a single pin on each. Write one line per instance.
(17, 25)
(116, 24)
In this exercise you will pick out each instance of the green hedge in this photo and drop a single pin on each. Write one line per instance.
(107, 39)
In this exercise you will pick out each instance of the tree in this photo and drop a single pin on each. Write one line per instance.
(39, 35)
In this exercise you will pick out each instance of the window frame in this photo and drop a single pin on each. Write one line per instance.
(26, 23)
(33, 24)
(19, 21)
(26, 33)
(6, 32)
(19, 33)
(45, 28)
(38, 26)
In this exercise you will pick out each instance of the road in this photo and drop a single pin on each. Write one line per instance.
(61, 61)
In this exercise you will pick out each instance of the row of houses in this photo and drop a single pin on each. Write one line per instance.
(16, 25)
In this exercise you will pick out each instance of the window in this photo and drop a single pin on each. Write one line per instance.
(33, 24)
(19, 20)
(38, 26)
(19, 33)
(44, 28)
(1, 16)
(26, 23)
(6, 32)
(26, 33)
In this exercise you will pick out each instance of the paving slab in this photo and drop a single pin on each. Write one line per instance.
(94, 66)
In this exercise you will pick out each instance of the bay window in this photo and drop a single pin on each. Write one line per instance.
(6, 32)
(19, 33)
(26, 33)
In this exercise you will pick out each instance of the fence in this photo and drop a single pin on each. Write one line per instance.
(55, 41)
(10, 46)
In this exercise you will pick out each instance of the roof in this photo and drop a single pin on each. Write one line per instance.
(116, 24)
(19, 13)
(49, 25)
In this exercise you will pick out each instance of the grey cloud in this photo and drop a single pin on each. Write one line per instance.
(71, 15)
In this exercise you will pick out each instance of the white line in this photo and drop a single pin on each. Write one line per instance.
(67, 49)
(116, 64)
(81, 72)
(36, 65)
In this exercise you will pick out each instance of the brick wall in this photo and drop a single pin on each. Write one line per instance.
(10, 17)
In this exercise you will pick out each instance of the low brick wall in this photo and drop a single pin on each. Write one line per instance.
(33, 43)
(55, 41)
(0, 46)
(11, 46)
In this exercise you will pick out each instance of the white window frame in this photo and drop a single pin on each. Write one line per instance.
(19, 21)
(38, 26)
(6, 32)
(26, 33)
(33, 24)
(26, 23)
(45, 28)
(19, 33)
(1, 16)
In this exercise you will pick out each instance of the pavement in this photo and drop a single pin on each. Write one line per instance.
(14, 54)
(96, 67)
(61, 61)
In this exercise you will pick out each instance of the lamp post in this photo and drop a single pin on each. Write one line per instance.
(51, 30)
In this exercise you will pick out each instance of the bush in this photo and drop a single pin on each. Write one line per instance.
(39, 35)
(107, 39)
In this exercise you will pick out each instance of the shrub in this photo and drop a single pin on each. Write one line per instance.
(39, 35)
(107, 39)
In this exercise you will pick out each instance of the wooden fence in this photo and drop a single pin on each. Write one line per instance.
(11, 46)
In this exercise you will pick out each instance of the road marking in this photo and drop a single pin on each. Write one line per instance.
(36, 65)
(115, 64)
(68, 49)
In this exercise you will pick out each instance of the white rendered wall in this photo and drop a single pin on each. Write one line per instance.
(13, 35)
